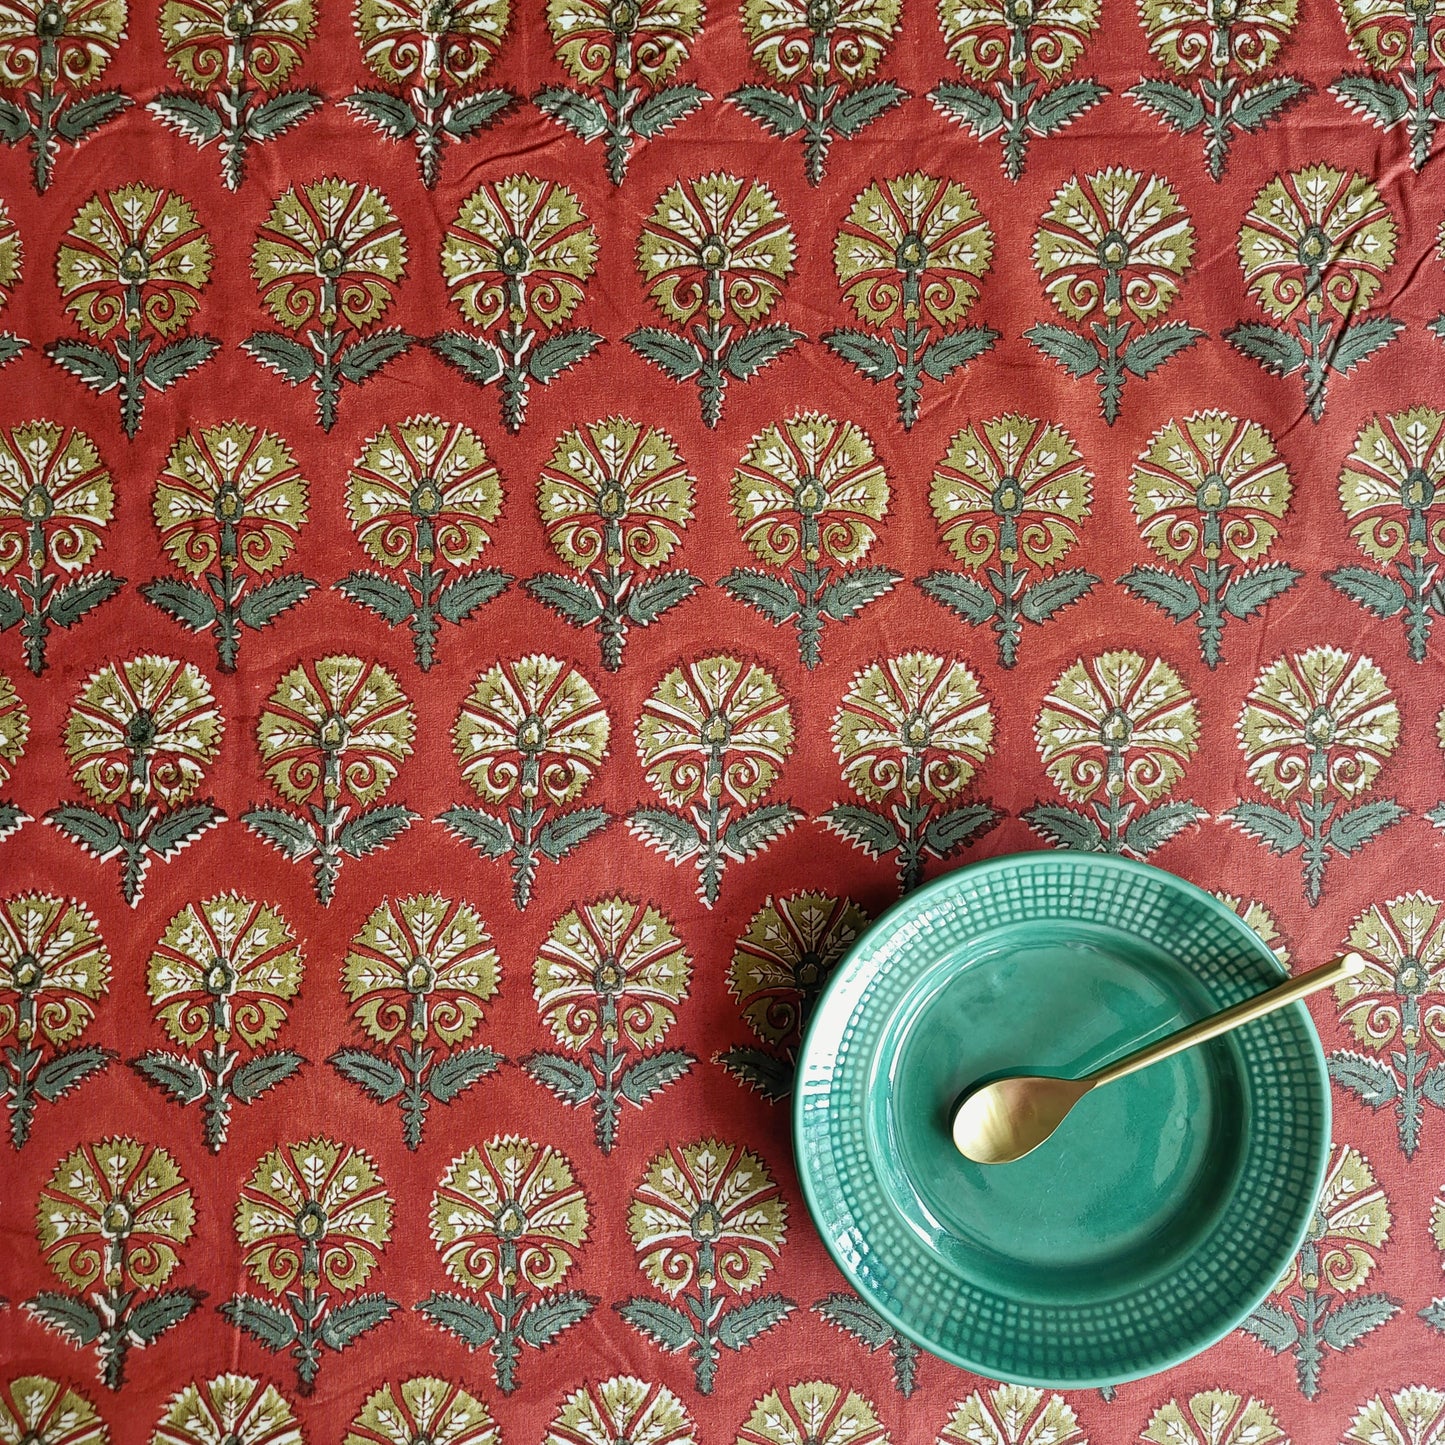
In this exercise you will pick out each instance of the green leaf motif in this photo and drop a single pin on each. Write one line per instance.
(663, 1323)
(1352, 1319)
(1434, 1314)
(1376, 99)
(663, 110)
(1065, 828)
(872, 833)
(1247, 593)
(190, 605)
(850, 1314)
(578, 604)
(389, 113)
(1065, 103)
(777, 113)
(256, 1076)
(951, 830)
(645, 604)
(1363, 339)
(189, 115)
(389, 600)
(72, 601)
(10, 347)
(151, 1319)
(1176, 105)
(98, 369)
(289, 359)
(742, 1325)
(869, 355)
(1275, 350)
(77, 120)
(62, 1073)
(375, 829)
(566, 1078)
(168, 365)
(263, 604)
(1049, 595)
(752, 832)
(1076, 355)
(854, 590)
(957, 348)
(378, 1077)
(477, 360)
(1147, 353)
(652, 1074)
(176, 1075)
(769, 1075)
(11, 818)
(280, 113)
(282, 830)
(96, 833)
(344, 1323)
(14, 123)
(582, 115)
(459, 1071)
(1273, 1327)
(670, 835)
(979, 110)
(469, 1322)
(674, 355)
(366, 357)
(1354, 828)
(863, 106)
(767, 594)
(1368, 1079)
(11, 610)
(465, 594)
(488, 835)
(757, 348)
(466, 117)
(72, 1318)
(267, 1324)
(560, 352)
(1163, 589)
(1154, 828)
(1277, 830)
(1255, 107)
(964, 597)
(560, 835)
(172, 831)
(550, 1315)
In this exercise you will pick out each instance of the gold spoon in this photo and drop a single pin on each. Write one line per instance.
(998, 1122)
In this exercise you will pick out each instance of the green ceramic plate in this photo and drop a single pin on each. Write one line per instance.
(1166, 1206)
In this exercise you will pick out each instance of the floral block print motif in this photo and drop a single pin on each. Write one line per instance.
(1395, 1008)
(516, 261)
(1411, 1415)
(1112, 251)
(418, 976)
(530, 736)
(708, 1222)
(849, 1314)
(1402, 43)
(622, 1411)
(1210, 492)
(910, 733)
(56, 502)
(131, 270)
(717, 248)
(14, 731)
(327, 263)
(52, 54)
(779, 967)
(614, 500)
(620, 54)
(1214, 1417)
(1388, 492)
(1019, 53)
(332, 738)
(1316, 729)
(422, 498)
(1012, 1415)
(139, 738)
(35, 1407)
(611, 973)
(818, 52)
(1114, 734)
(422, 1408)
(220, 980)
(228, 1407)
(1315, 248)
(110, 1222)
(712, 738)
(509, 1220)
(313, 1221)
(1218, 48)
(809, 492)
(228, 507)
(1326, 1310)
(11, 256)
(435, 52)
(1015, 489)
(1434, 1313)
(54, 967)
(233, 59)
(812, 1412)
(912, 249)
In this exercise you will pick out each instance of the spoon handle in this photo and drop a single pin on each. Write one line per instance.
(1231, 1018)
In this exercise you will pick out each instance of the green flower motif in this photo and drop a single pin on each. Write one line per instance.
(225, 968)
(421, 965)
(332, 250)
(1408, 1417)
(838, 40)
(1392, 488)
(65, 43)
(813, 1412)
(423, 1408)
(230, 1409)
(622, 1410)
(1012, 1415)
(313, 1211)
(211, 43)
(718, 246)
(431, 42)
(917, 243)
(54, 965)
(41, 1411)
(590, 36)
(1201, 37)
(1213, 1417)
(991, 39)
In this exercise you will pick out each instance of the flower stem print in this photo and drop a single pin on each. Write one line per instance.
(233, 58)
(423, 1408)
(56, 500)
(1015, 488)
(622, 1409)
(1316, 729)
(1114, 245)
(418, 976)
(114, 1215)
(1019, 51)
(43, 1410)
(54, 966)
(509, 1220)
(812, 1412)
(1402, 43)
(1315, 246)
(220, 980)
(52, 53)
(228, 1407)
(818, 51)
(1115, 733)
(435, 50)
(228, 507)
(133, 266)
(910, 733)
(1388, 490)
(621, 53)
(1216, 48)
(779, 967)
(910, 250)
(1214, 1417)
(608, 981)
(11, 253)
(333, 736)
(316, 1215)
(1395, 1007)
(420, 498)
(530, 736)
(139, 738)
(614, 500)
(330, 253)
(712, 738)
(708, 1221)
(719, 248)
(809, 491)
(1210, 486)
(515, 261)
(873, 1332)
(1326, 1311)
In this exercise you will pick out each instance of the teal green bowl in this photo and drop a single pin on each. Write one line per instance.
(1166, 1206)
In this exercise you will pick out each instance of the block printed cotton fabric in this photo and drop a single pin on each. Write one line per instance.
(524, 526)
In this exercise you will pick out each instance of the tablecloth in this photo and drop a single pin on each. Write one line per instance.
(523, 527)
